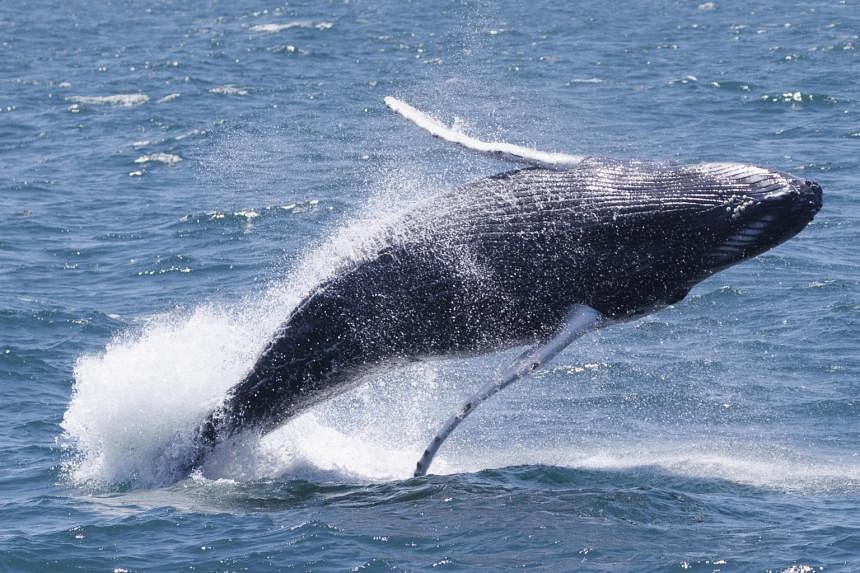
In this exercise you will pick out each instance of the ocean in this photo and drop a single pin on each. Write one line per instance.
(174, 177)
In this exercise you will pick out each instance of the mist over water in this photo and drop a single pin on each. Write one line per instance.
(175, 180)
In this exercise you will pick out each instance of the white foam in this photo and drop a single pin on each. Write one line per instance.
(586, 81)
(124, 100)
(166, 158)
(709, 459)
(229, 89)
(272, 28)
(168, 98)
(136, 406)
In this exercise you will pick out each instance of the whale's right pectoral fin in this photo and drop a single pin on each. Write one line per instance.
(497, 150)
(580, 320)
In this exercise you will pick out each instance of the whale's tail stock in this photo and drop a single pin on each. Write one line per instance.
(308, 360)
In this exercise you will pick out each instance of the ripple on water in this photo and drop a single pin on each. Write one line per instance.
(169, 264)
(247, 215)
(733, 85)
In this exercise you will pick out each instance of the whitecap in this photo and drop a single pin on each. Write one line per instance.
(166, 158)
(229, 89)
(168, 98)
(124, 100)
(272, 28)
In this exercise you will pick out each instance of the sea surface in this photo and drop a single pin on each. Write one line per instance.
(175, 176)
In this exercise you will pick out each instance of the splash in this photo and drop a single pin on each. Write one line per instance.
(135, 407)
(371, 434)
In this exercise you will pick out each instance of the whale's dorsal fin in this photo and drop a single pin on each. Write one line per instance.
(579, 320)
(499, 150)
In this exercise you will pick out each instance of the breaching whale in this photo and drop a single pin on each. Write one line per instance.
(533, 257)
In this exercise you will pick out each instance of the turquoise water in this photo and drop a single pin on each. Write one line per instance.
(174, 177)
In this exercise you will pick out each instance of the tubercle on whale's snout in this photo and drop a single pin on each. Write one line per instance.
(813, 194)
(805, 198)
(802, 198)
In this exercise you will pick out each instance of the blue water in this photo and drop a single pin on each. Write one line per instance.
(173, 176)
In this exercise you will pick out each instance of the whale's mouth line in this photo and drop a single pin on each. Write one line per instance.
(737, 245)
(779, 194)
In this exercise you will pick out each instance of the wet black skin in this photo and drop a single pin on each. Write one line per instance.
(497, 263)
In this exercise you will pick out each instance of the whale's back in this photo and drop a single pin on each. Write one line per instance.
(618, 236)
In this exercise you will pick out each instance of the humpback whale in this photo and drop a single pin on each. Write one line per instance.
(534, 257)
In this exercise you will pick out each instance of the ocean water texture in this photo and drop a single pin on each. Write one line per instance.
(175, 177)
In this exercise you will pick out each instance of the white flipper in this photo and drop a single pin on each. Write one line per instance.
(580, 320)
(497, 150)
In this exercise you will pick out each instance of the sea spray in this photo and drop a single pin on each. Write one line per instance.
(135, 407)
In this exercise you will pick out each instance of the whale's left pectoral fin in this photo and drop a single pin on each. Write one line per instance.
(498, 150)
(580, 320)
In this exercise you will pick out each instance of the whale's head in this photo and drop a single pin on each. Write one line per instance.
(755, 211)
(635, 236)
